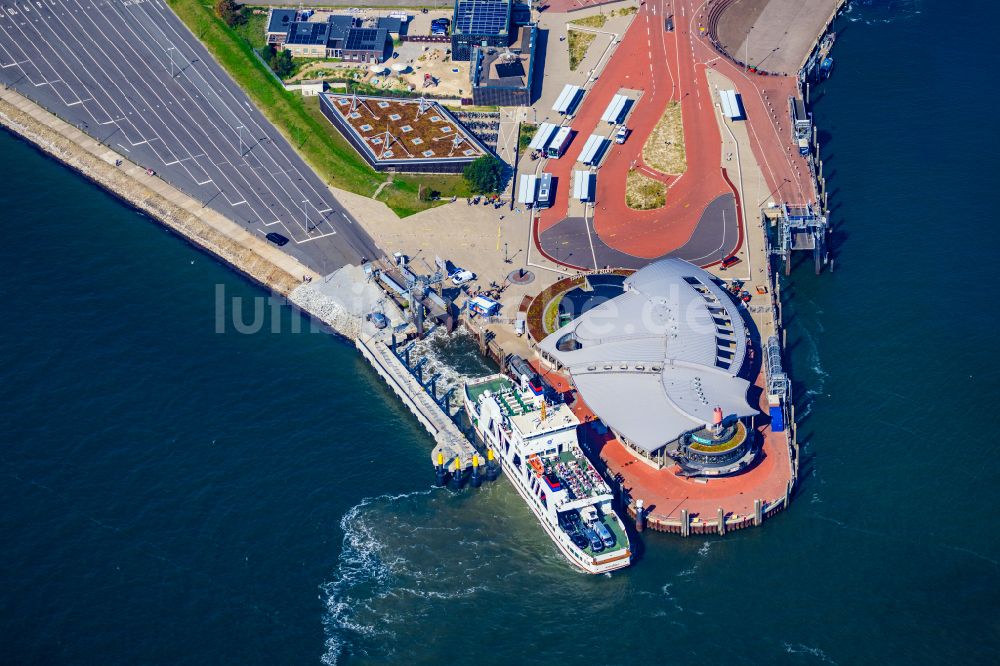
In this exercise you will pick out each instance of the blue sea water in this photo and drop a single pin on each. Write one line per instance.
(173, 494)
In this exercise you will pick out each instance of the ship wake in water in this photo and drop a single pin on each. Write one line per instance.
(432, 555)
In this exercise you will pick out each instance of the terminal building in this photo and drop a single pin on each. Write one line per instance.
(660, 365)
(481, 23)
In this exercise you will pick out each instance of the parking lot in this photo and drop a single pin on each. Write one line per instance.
(131, 75)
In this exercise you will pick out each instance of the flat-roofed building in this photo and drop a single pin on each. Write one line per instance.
(403, 134)
(394, 25)
(479, 23)
(732, 106)
(503, 76)
(340, 25)
(307, 39)
(367, 45)
(278, 22)
(340, 36)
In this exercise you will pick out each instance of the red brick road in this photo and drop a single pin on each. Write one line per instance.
(661, 65)
(665, 67)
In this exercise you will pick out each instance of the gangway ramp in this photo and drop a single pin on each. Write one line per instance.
(448, 439)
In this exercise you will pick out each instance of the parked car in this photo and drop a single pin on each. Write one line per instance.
(606, 536)
(462, 276)
(596, 544)
(579, 540)
(276, 238)
(378, 319)
(566, 521)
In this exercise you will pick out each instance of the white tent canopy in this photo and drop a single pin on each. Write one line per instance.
(616, 109)
(655, 361)
(730, 103)
(527, 189)
(581, 185)
(567, 100)
(542, 137)
(592, 150)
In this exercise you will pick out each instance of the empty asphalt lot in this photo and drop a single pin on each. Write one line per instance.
(131, 75)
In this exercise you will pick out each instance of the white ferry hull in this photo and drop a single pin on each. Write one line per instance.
(592, 566)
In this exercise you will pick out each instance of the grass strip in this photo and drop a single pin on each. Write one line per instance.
(579, 42)
(298, 118)
(643, 192)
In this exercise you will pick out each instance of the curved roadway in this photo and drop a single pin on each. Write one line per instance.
(702, 218)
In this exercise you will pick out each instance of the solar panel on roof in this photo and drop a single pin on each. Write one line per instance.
(361, 38)
(510, 69)
(479, 17)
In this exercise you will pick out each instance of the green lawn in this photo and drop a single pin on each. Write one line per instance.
(526, 133)
(579, 42)
(253, 30)
(595, 21)
(550, 320)
(299, 119)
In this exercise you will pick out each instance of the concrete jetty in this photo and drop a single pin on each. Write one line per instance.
(340, 300)
(205, 228)
(450, 445)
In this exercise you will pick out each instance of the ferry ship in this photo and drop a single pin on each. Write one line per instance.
(538, 449)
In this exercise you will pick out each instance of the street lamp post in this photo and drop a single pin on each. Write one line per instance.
(308, 223)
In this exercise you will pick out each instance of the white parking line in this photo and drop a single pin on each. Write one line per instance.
(118, 64)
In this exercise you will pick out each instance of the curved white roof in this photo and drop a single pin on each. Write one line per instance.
(654, 362)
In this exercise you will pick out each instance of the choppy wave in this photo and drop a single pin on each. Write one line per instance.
(799, 648)
(874, 12)
(370, 568)
(703, 552)
(364, 561)
(455, 357)
(398, 549)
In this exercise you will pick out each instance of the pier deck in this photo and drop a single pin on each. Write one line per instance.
(448, 438)
(775, 35)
